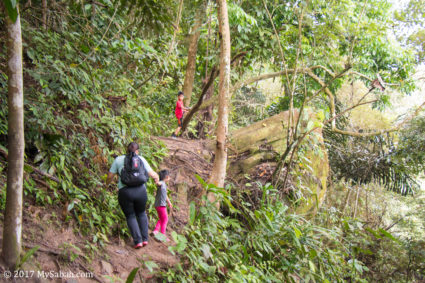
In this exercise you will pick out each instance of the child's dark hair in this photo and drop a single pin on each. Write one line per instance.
(180, 93)
(163, 174)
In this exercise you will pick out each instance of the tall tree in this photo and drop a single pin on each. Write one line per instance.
(191, 54)
(13, 212)
(218, 173)
(44, 14)
(176, 27)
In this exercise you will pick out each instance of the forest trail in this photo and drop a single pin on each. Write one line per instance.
(61, 248)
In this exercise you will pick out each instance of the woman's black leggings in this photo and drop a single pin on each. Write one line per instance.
(133, 204)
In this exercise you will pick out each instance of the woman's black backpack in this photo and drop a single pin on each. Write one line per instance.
(134, 173)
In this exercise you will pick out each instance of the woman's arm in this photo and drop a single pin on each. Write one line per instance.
(151, 173)
(154, 176)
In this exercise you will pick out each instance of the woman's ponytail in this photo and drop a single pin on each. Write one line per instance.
(131, 148)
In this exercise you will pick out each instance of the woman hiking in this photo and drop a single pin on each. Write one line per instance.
(133, 173)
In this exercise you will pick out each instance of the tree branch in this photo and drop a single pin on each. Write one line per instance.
(251, 80)
(380, 132)
(195, 108)
(199, 104)
(36, 170)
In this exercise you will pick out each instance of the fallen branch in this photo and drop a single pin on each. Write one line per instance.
(36, 170)
(97, 278)
(197, 155)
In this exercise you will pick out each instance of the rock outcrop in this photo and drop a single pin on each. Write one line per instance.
(254, 150)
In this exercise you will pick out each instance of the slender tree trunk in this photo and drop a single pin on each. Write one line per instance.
(44, 11)
(191, 55)
(93, 12)
(28, 4)
(218, 173)
(206, 116)
(15, 161)
(176, 27)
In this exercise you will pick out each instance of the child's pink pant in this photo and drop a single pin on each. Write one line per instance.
(163, 219)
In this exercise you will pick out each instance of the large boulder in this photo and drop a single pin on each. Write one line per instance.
(257, 147)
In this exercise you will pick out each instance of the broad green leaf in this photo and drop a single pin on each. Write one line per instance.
(151, 265)
(132, 275)
(388, 235)
(297, 232)
(12, 9)
(27, 255)
(192, 212)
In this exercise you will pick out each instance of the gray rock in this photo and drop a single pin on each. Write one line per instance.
(106, 267)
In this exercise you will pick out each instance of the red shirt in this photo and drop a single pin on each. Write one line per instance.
(179, 109)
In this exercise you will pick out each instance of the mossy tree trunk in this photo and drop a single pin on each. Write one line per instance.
(13, 212)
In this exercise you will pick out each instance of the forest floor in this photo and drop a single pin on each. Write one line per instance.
(61, 245)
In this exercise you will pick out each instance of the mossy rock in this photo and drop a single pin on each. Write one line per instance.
(265, 141)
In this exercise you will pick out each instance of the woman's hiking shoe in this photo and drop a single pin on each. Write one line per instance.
(139, 245)
(173, 135)
(145, 244)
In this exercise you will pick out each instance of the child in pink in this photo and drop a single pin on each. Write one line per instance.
(161, 201)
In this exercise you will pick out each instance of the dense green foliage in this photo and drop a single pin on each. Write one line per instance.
(411, 22)
(410, 149)
(82, 107)
(105, 73)
(271, 244)
(366, 160)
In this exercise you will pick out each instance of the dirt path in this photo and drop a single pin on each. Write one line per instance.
(61, 247)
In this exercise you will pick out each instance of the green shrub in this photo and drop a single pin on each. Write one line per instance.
(268, 244)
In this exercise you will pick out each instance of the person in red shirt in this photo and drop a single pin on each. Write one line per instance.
(179, 111)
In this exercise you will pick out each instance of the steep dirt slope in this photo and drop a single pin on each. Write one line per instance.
(63, 249)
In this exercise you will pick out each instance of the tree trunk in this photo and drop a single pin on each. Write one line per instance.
(13, 212)
(206, 114)
(44, 11)
(191, 55)
(176, 27)
(218, 173)
(28, 4)
(93, 12)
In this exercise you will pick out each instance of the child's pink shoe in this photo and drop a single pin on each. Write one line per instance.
(145, 244)
(138, 246)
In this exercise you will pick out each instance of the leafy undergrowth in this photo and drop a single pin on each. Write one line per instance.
(83, 105)
(70, 240)
(271, 244)
(347, 240)
(62, 248)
